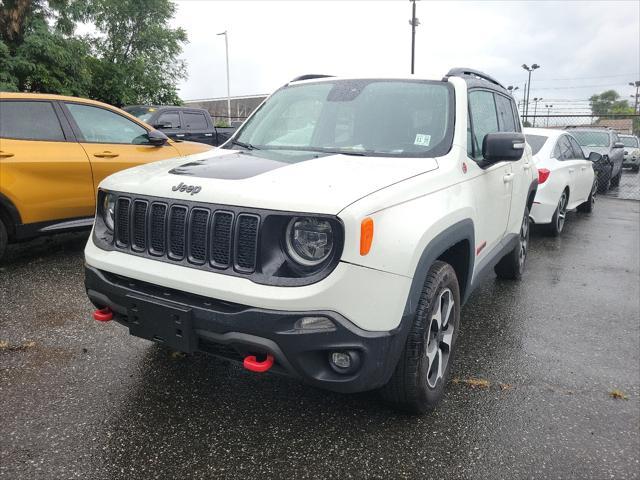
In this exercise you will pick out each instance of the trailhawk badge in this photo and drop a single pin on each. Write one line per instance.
(192, 189)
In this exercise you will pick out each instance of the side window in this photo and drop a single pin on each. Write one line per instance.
(169, 120)
(566, 152)
(29, 121)
(195, 121)
(614, 138)
(99, 125)
(483, 116)
(578, 153)
(505, 114)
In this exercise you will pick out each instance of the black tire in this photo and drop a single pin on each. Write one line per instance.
(615, 181)
(604, 182)
(4, 239)
(418, 382)
(511, 266)
(554, 229)
(590, 204)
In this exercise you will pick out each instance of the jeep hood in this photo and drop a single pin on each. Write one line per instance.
(292, 181)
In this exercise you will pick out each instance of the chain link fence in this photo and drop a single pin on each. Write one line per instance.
(614, 137)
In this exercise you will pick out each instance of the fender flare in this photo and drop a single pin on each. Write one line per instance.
(462, 230)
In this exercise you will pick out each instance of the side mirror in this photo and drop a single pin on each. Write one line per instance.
(162, 125)
(594, 157)
(503, 146)
(618, 145)
(156, 138)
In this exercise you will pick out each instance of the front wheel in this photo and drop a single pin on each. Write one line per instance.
(615, 181)
(418, 382)
(511, 267)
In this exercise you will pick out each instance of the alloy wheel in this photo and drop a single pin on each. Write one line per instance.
(562, 212)
(524, 241)
(440, 337)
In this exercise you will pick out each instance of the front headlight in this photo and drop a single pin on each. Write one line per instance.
(309, 240)
(108, 210)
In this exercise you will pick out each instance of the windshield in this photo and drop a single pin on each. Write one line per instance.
(536, 142)
(365, 117)
(588, 138)
(629, 141)
(143, 113)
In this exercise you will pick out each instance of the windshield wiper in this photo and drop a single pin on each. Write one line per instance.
(248, 146)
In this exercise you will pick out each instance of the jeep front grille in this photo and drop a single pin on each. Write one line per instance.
(196, 235)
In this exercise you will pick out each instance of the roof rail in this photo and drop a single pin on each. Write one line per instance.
(462, 72)
(597, 127)
(310, 76)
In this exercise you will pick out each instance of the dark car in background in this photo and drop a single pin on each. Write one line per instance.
(603, 147)
(182, 123)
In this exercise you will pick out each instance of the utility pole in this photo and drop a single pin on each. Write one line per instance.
(637, 96)
(414, 22)
(226, 46)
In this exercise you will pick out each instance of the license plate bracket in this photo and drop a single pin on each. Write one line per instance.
(162, 322)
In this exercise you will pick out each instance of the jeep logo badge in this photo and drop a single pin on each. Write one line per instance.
(192, 189)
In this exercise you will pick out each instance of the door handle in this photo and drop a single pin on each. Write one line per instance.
(526, 166)
(5, 154)
(106, 154)
(508, 177)
(583, 168)
(208, 134)
(180, 135)
(571, 170)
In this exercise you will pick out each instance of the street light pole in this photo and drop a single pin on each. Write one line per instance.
(535, 109)
(548, 107)
(414, 22)
(529, 69)
(226, 46)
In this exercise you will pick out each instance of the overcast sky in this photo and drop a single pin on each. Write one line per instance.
(582, 47)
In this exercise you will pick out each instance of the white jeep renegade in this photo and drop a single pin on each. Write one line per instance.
(334, 238)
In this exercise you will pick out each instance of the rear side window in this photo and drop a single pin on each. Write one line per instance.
(536, 142)
(169, 120)
(195, 121)
(484, 118)
(563, 150)
(505, 114)
(578, 153)
(29, 121)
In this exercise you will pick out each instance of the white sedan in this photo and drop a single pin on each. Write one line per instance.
(565, 177)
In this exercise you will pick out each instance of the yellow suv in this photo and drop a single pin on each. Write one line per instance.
(55, 150)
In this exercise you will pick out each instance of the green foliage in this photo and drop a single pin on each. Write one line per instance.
(609, 102)
(132, 59)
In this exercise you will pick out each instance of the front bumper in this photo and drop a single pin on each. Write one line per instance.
(191, 323)
(630, 161)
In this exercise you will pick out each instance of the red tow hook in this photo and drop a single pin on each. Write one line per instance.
(103, 315)
(252, 364)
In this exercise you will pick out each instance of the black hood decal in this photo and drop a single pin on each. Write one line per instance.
(236, 166)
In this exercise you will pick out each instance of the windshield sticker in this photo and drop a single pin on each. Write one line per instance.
(422, 139)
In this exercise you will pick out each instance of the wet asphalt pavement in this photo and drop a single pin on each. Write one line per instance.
(80, 399)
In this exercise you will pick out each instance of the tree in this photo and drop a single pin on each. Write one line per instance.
(38, 52)
(608, 103)
(136, 57)
(133, 59)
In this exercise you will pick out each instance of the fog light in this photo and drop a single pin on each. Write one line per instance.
(312, 324)
(341, 359)
(344, 362)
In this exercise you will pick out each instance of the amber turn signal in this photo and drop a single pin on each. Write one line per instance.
(366, 235)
